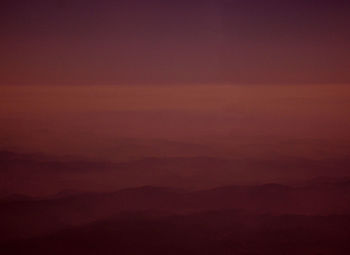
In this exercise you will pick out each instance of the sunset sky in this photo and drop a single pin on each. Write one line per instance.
(171, 42)
(126, 80)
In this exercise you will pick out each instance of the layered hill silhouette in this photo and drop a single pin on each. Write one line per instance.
(173, 205)
(20, 173)
(216, 232)
(25, 217)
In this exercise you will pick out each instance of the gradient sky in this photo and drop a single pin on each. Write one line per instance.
(295, 52)
(107, 121)
(264, 82)
(146, 42)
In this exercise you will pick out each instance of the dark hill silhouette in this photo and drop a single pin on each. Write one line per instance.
(25, 218)
(19, 173)
(223, 232)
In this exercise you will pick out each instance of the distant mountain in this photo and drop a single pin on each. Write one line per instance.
(216, 232)
(20, 173)
(24, 218)
(330, 181)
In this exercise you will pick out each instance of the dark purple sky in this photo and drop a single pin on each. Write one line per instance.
(148, 42)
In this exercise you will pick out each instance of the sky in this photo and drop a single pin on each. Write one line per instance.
(174, 42)
(267, 82)
(97, 121)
